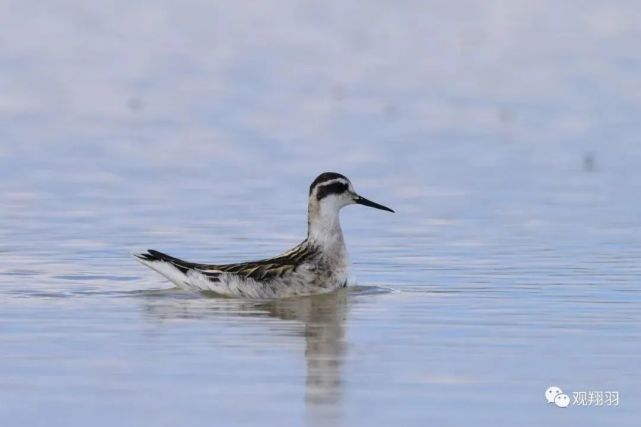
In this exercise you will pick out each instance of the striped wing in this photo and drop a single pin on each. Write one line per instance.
(258, 270)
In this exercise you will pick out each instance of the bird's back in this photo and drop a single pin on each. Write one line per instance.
(300, 271)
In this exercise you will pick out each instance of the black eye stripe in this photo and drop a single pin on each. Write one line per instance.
(333, 188)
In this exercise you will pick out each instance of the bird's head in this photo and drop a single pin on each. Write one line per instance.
(332, 191)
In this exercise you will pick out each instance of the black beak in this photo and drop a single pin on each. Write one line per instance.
(363, 201)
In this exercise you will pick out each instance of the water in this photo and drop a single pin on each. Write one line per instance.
(504, 134)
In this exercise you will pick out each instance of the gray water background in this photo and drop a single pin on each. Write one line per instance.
(504, 133)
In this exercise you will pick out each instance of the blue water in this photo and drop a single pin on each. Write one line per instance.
(504, 134)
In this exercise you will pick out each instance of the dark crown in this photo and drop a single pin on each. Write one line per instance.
(324, 177)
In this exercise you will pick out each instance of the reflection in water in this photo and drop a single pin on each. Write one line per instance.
(323, 318)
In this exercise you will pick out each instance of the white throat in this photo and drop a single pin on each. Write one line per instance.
(324, 227)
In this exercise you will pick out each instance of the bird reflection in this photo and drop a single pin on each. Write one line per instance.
(323, 328)
(323, 317)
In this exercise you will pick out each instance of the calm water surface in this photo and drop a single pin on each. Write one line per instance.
(513, 262)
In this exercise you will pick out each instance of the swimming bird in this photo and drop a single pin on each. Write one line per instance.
(319, 264)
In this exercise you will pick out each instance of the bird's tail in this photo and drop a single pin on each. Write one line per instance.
(172, 268)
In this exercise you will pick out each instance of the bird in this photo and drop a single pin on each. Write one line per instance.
(319, 264)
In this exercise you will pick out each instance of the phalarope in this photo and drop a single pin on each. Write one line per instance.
(319, 264)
